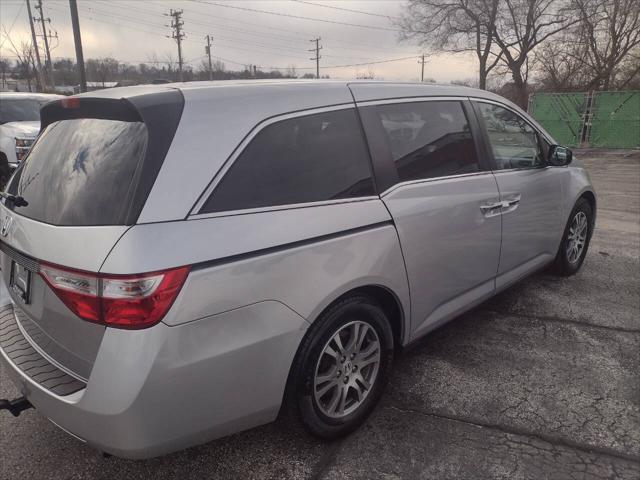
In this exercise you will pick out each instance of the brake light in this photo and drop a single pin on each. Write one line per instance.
(122, 301)
(70, 102)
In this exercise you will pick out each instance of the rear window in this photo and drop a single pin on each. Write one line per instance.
(81, 172)
(304, 159)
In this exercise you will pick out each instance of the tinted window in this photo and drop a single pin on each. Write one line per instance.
(429, 139)
(81, 172)
(513, 142)
(24, 110)
(304, 159)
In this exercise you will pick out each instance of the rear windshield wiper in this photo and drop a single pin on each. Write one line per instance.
(17, 200)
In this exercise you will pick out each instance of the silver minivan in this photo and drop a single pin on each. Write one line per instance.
(187, 261)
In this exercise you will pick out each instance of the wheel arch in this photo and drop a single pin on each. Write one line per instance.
(590, 196)
(389, 300)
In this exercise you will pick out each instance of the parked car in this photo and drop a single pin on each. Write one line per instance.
(19, 126)
(188, 261)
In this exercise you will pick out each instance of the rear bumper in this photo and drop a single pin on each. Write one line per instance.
(165, 388)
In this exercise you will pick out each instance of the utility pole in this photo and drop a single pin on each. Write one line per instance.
(207, 49)
(75, 22)
(178, 35)
(317, 57)
(39, 77)
(422, 62)
(45, 35)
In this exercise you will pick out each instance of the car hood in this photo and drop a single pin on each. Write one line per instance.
(21, 129)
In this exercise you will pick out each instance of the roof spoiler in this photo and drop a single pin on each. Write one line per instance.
(70, 108)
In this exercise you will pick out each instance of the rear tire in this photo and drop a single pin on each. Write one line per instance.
(575, 240)
(332, 395)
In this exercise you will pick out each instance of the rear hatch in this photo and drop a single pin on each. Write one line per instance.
(81, 187)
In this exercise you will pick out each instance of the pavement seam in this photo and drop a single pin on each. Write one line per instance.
(556, 441)
(578, 323)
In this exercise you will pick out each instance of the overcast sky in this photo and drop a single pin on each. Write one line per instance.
(135, 30)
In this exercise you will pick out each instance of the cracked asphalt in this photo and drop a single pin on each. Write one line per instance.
(541, 382)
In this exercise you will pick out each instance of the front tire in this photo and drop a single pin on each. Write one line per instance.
(5, 171)
(575, 240)
(342, 367)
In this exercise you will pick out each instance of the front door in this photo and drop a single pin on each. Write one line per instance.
(444, 202)
(530, 191)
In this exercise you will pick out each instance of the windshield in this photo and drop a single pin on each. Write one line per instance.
(81, 172)
(20, 110)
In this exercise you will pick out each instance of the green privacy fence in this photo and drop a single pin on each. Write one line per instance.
(595, 119)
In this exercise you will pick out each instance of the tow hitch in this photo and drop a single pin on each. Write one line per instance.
(15, 406)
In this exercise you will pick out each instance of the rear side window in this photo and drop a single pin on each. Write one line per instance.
(304, 159)
(81, 172)
(429, 139)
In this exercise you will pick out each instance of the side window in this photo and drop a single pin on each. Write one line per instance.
(304, 159)
(429, 139)
(513, 141)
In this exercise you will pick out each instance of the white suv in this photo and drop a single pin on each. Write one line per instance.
(19, 126)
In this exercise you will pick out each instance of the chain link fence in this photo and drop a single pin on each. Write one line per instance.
(594, 119)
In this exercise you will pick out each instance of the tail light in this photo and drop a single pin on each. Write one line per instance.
(122, 301)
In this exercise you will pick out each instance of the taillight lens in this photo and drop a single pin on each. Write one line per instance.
(123, 301)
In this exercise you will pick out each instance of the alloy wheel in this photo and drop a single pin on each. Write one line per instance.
(577, 237)
(347, 369)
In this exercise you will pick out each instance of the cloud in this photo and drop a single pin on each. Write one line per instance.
(131, 30)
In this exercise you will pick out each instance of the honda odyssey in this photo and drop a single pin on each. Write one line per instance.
(186, 261)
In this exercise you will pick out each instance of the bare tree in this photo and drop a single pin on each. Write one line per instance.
(24, 60)
(454, 26)
(522, 26)
(368, 75)
(102, 69)
(609, 31)
(291, 72)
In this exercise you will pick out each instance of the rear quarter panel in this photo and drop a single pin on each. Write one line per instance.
(303, 258)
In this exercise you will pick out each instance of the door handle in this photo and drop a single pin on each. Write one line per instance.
(492, 206)
(492, 209)
(504, 206)
(511, 202)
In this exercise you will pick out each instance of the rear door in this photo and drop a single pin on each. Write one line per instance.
(441, 195)
(530, 191)
(77, 192)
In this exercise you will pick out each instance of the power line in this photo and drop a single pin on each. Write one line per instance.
(345, 9)
(344, 44)
(8, 32)
(137, 20)
(269, 12)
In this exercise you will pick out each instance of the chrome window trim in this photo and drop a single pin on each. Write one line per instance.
(243, 145)
(431, 180)
(390, 101)
(291, 206)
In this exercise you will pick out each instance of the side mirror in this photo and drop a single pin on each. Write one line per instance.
(559, 156)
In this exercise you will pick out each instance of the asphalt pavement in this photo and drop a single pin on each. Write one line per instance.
(543, 381)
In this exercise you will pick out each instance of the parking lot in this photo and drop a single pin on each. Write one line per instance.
(540, 382)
